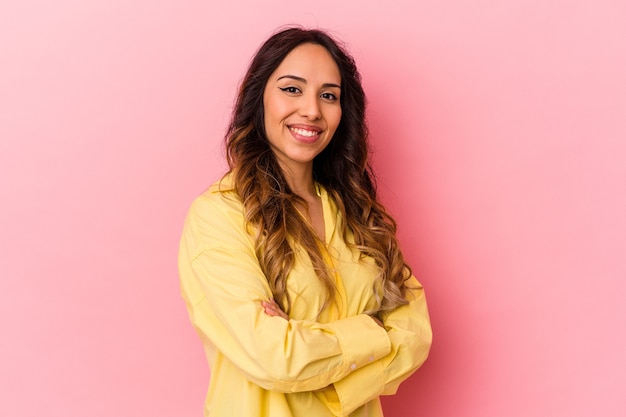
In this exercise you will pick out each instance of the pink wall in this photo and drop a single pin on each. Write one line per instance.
(500, 138)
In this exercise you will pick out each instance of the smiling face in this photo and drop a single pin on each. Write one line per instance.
(302, 107)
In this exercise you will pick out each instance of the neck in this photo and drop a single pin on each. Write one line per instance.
(300, 179)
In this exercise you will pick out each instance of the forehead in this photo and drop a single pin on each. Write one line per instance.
(309, 61)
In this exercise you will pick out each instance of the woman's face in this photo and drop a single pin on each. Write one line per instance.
(302, 107)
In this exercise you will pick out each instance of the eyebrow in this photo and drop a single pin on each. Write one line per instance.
(302, 80)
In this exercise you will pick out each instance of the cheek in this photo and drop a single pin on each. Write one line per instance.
(274, 109)
(336, 118)
(267, 106)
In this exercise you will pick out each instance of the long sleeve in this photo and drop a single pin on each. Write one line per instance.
(409, 331)
(223, 287)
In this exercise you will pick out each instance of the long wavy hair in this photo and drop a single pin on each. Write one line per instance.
(342, 168)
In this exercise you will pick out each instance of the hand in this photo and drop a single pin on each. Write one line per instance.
(272, 309)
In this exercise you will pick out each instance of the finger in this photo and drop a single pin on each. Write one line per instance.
(270, 309)
(269, 305)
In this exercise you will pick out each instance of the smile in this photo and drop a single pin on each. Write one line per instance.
(304, 132)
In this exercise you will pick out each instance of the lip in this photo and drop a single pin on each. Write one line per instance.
(305, 138)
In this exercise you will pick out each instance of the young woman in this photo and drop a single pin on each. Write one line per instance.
(289, 265)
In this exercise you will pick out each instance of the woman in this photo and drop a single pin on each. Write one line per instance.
(289, 265)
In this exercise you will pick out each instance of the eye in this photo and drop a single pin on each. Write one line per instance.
(329, 96)
(290, 90)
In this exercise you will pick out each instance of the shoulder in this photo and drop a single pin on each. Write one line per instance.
(216, 214)
(220, 196)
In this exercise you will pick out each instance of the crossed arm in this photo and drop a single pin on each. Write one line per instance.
(347, 362)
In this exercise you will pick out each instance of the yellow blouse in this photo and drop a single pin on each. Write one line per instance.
(337, 364)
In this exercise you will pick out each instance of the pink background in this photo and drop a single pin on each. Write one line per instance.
(499, 131)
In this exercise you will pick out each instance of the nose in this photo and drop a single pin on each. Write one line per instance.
(310, 107)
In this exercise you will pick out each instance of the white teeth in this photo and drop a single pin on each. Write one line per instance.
(304, 132)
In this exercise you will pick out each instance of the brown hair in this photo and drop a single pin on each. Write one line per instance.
(342, 168)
